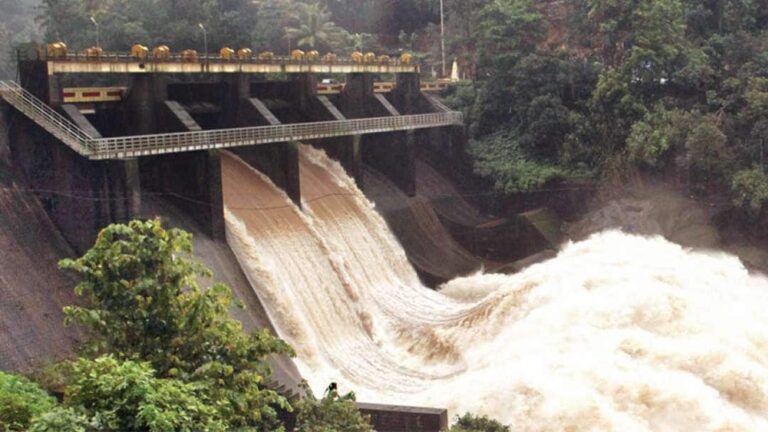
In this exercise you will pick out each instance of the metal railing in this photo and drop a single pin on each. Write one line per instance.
(146, 145)
(45, 116)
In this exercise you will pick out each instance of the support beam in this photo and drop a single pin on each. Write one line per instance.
(386, 105)
(80, 120)
(330, 108)
(278, 161)
(181, 117)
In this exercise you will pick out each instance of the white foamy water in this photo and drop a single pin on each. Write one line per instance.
(618, 332)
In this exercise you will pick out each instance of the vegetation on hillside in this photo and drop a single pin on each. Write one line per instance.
(674, 88)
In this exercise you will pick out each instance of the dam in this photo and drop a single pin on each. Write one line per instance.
(336, 243)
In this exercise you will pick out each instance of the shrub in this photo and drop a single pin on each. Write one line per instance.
(20, 401)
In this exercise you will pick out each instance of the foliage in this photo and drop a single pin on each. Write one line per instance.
(127, 396)
(20, 401)
(16, 27)
(122, 23)
(314, 28)
(650, 138)
(677, 86)
(62, 419)
(143, 303)
(332, 413)
(500, 158)
(750, 189)
(471, 423)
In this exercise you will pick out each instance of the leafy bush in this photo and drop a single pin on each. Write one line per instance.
(127, 396)
(470, 423)
(61, 419)
(499, 158)
(20, 401)
(332, 413)
(143, 303)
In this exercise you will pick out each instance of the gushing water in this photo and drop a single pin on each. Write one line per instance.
(618, 332)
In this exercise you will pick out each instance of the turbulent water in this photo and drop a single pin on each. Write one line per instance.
(619, 332)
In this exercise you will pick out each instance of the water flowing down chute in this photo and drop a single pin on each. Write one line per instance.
(618, 332)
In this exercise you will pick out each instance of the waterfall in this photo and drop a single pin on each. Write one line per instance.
(618, 332)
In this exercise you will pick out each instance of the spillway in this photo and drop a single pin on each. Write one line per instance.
(430, 247)
(618, 332)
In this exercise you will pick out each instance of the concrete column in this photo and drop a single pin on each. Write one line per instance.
(238, 92)
(407, 93)
(217, 224)
(55, 91)
(305, 88)
(355, 98)
(33, 76)
(408, 167)
(132, 187)
(191, 180)
(356, 162)
(278, 161)
(147, 91)
(118, 182)
(290, 162)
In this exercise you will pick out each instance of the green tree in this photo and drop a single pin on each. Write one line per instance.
(20, 401)
(750, 188)
(472, 423)
(314, 27)
(143, 303)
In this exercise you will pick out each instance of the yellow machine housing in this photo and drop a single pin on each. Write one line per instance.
(227, 53)
(244, 54)
(139, 51)
(93, 52)
(189, 55)
(161, 52)
(57, 49)
(313, 56)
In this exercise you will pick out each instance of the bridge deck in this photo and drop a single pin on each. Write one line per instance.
(147, 145)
